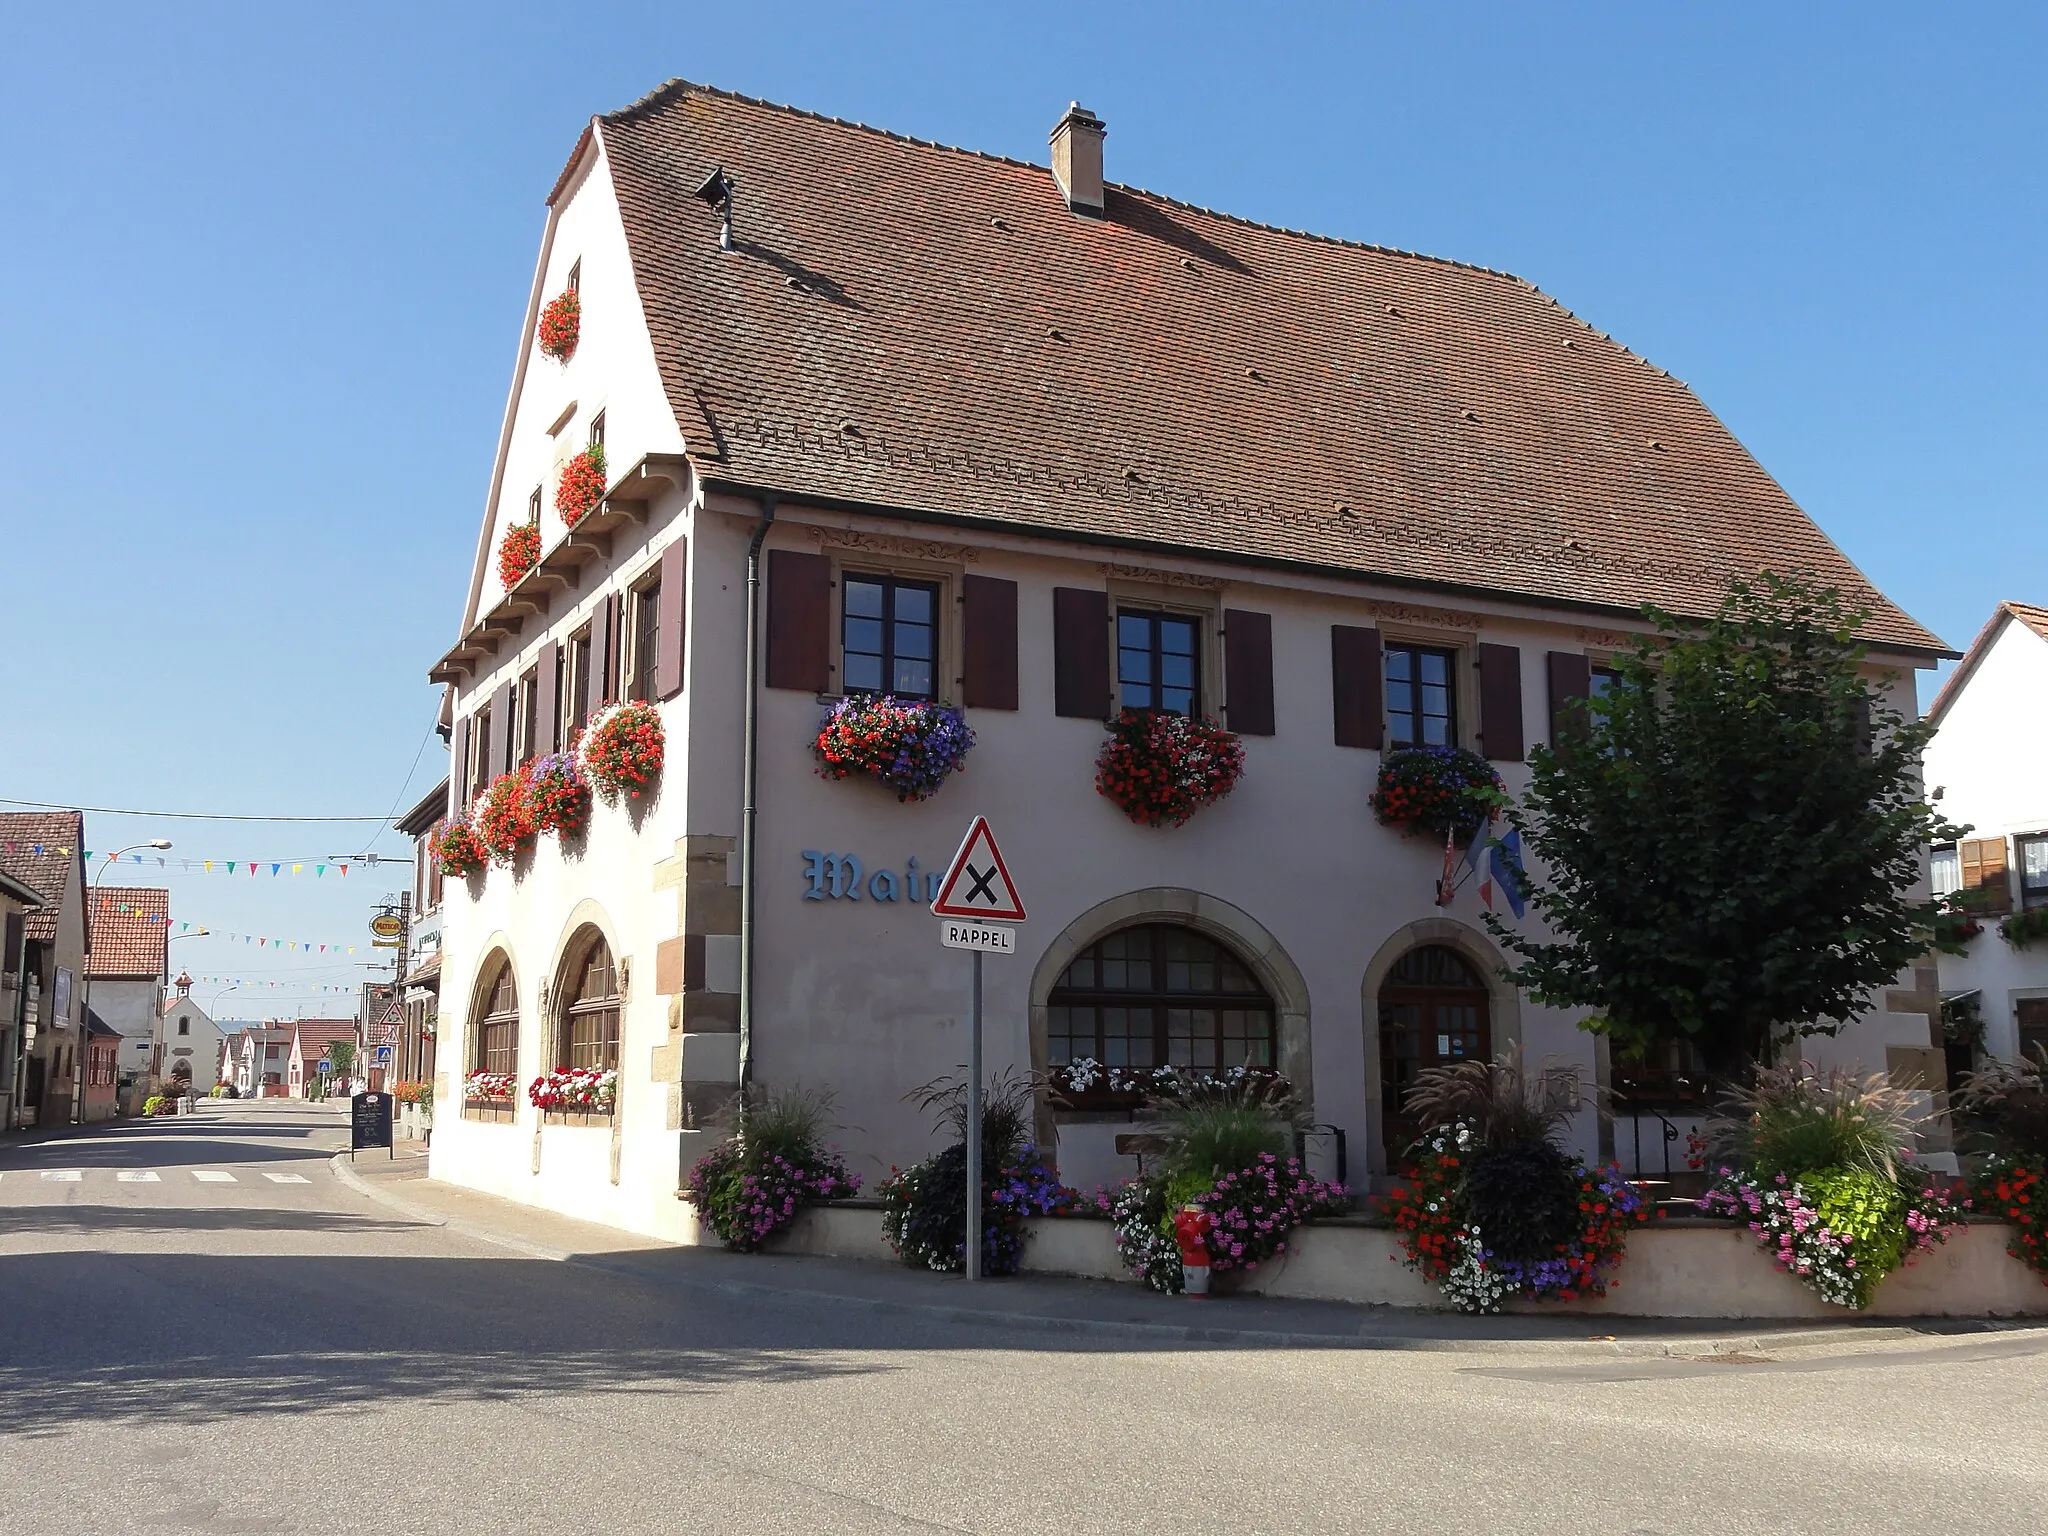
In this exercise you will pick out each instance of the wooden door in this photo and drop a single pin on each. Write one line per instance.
(1432, 1012)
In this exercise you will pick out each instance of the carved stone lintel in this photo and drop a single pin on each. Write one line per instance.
(1612, 639)
(1435, 618)
(1159, 578)
(889, 544)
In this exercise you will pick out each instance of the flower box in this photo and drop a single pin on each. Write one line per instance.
(581, 487)
(490, 1111)
(1438, 792)
(456, 849)
(622, 752)
(561, 325)
(1159, 768)
(518, 553)
(910, 746)
(589, 1092)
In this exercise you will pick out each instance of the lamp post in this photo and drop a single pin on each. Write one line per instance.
(80, 1053)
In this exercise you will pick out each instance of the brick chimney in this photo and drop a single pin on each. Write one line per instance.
(1077, 160)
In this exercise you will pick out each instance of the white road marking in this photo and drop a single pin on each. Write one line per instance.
(212, 1176)
(61, 1175)
(138, 1176)
(286, 1178)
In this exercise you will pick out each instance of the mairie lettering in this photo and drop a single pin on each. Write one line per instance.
(843, 877)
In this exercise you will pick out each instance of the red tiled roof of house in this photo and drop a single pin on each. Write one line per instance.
(928, 330)
(22, 834)
(311, 1037)
(131, 931)
(2035, 619)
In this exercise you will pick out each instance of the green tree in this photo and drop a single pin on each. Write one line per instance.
(341, 1057)
(1725, 845)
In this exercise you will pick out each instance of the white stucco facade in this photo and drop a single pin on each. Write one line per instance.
(1989, 758)
(186, 1036)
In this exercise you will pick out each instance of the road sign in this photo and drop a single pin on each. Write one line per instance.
(989, 938)
(386, 925)
(978, 883)
(383, 1054)
(326, 1067)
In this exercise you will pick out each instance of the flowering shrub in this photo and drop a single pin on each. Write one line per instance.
(581, 487)
(2009, 1188)
(747, 1200)
(1253, 1208)
(910, 746)
(490, 1087)
(622, 751)
(575, 1090)
(518, 553)
(561, 324)
(2024, 928)
(1445, 1231)
(1089, 1077)
(1161, 768)
(924, 1209)
(1443, 791)
(456, 849)
(503, 818)
(558, 794)
(1840, 1231)
(420, 1092)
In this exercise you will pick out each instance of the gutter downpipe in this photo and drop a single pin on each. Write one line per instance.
(750, 792)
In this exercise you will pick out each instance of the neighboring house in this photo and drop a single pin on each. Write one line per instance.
(18, 899)
(1038, 446)
(255, 1060)
(383, 1015)
(45, 850)
(130, 964)
(313, 1041)
(103, 1045)
(188, 1044)
(422, 997)
(1989, 759)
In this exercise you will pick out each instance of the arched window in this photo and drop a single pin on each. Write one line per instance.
(1159, 995)
(589, 1035)
(1432, 1013)
(494, 1043)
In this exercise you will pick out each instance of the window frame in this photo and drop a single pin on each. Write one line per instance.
(526, 700)
(605, 1013)
(479, 752)
(1160, 1000)
(2032, 893)
(891, 582)
(646, 630)
(503, 987)
(1155, 616)
(1453, 655)
(595, 439)
(576, 681)
(575, 283)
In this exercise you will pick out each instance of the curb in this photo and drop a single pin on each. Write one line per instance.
(1809, 1338)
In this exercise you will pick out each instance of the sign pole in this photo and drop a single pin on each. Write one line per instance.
(974, 1125)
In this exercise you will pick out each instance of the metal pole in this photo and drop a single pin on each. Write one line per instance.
(974, 1127)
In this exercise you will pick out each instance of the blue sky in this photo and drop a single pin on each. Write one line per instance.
(267, 266)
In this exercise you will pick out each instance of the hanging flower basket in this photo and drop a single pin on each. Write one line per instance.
(1161, 768)
(622, 751)
(1440, 791)
(909, 745)
(558, 794)
(561, 324)
(504, 819)
(575, 1090)
(456, 849)
(581, 487)
(518, 553)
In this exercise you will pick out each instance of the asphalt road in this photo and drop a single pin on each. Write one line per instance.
(247, 1352)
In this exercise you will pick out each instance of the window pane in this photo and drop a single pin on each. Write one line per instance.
(865, 599)
(914, 640)
(863, 673)
(1134, 629)
(1399, 663)
(864, 635)
(2034, 860)
(1435, 667)
(1180, 701)
(913, 605)
(1177, 636)
(914, 679)
(1945, 870)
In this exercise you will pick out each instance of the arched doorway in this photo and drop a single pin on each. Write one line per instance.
(1160, 995)
(1433, 1012)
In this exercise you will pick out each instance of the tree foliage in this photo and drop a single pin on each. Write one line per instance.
(1727, 843)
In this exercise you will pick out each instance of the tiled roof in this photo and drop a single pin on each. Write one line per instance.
(131, 931)
(2035, 619)
(22, 834)
(311, 1037)
(930, 330)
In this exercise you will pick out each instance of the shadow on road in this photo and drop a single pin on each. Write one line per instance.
(82, 1216)
(131, 1151)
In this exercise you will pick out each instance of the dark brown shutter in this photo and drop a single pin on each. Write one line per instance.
(668, 620)
(1571, 682)
(1500, 702)
(547, 701)
(1355, 680)
(799, 621)
(601, 653)
(501, 732)
(1080, 653)
(458, 767)
(988, 659)
(1248, 671)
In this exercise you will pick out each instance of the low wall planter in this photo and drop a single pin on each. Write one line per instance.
(490, 1111)
(576, 1117)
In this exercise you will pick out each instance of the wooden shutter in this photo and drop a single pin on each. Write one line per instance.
(458, 767)
(668, 620)
(1570, 676)
(1500, 702)
(1983, 870)
(799, 621)
(547, 701)
(988, 654)
(1248, 671)
(501, 733)
(601, 653)
(1355, 682)
(1080, 653)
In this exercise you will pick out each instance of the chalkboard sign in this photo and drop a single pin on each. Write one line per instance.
(369, 1122)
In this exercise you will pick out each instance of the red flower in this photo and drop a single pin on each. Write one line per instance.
(581, 487)
(518, 553)
(561, 325)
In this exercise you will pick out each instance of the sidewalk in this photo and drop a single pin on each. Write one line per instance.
(1049, 1304)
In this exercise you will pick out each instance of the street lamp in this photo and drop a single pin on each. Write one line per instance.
(78, 1056)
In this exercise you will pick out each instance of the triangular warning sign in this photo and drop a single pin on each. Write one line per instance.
(978, 882)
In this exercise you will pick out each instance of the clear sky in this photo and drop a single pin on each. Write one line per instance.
(265, 269)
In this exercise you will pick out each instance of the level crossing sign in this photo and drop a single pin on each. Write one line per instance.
(978, 883)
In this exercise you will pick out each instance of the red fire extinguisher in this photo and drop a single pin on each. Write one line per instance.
(1191, 1226)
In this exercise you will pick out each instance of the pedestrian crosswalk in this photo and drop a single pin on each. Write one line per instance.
(150, 1175)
